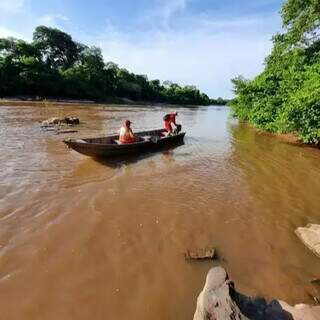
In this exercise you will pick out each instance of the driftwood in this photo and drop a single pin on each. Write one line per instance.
(200, 254)
(66, 131)
(49, 128)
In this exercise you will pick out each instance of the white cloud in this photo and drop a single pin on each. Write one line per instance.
(5, 32)
(26, 23)
(53, 20)
(164, 11)
(170, 7)
(11, 6)
(206, 53)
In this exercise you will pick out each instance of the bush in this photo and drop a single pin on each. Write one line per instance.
(285, 97)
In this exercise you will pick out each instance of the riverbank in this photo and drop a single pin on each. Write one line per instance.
(290, 138)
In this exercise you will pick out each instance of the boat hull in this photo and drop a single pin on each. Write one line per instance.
(106, 147)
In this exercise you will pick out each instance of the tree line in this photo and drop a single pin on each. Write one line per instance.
(54, 65)
(285, 97)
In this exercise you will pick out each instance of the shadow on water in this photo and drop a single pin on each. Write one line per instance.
(116, 162)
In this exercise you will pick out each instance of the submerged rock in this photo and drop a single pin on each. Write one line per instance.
(220, 301)
(200, 254)
(310, 236)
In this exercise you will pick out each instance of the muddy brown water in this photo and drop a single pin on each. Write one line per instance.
(82, 239)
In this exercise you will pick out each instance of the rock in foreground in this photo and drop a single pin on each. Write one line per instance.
(215, 302)
(220, 301)
(310, 236)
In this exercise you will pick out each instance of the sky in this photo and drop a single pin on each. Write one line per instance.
(191, 42)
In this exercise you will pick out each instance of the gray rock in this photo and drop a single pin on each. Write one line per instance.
(302, 311)
(215, 302)
(310, 236)
(220, 301)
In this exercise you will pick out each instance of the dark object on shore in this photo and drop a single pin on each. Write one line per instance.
(315, 281)
(201, 254)
(72, 120)
(66, 131)
(110, 147)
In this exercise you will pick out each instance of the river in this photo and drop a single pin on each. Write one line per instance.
(82, 239)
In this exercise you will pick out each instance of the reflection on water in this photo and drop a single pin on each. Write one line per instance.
(116, 162)
(81, 238)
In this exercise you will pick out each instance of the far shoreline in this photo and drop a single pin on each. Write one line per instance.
(16, 101)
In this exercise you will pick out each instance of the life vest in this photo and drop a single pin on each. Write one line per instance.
(168, 119)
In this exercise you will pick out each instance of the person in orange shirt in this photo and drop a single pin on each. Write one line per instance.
(168, 120)
(126, 134)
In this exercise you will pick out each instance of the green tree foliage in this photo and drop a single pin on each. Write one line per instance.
(301, 18)
(285, 97)
(57, 48)
(54, 65)
(220, 102)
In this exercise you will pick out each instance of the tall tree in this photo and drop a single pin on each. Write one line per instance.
(57, 48)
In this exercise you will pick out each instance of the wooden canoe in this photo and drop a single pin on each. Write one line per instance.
(110, 147)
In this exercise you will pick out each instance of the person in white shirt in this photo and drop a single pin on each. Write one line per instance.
(126, 134)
